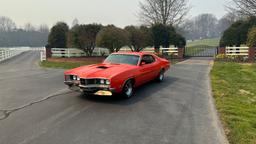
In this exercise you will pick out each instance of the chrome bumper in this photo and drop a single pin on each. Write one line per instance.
(102, 90)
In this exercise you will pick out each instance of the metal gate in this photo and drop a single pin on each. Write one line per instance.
(201, 51)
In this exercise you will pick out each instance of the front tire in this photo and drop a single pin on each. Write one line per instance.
(128, 89)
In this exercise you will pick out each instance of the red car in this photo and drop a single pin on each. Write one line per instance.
(120, 73)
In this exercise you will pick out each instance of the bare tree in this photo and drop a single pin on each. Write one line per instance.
(29, 27)
(226, 21)
(244, 7)
(75, 22)
(201, 27)
(6, 24)
(43, 28)
(167, 12)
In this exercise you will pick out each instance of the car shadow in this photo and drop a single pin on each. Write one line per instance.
(142, 92)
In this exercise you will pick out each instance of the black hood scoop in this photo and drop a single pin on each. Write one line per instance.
(102, 67)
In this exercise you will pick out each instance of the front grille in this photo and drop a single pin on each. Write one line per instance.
(89, 81)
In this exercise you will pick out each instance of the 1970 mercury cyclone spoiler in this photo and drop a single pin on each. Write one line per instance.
(120, 73)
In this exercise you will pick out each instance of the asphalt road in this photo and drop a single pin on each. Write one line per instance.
(36, 108)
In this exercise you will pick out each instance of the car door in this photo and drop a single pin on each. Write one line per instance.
(154, 67)
(147, 69)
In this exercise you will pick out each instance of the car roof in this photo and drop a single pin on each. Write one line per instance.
(133, 53)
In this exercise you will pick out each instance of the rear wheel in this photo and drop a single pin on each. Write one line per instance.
(160, 77)
(128, 89)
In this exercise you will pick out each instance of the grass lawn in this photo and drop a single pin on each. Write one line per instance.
(65, 65)
(234, 88)
(204, 42)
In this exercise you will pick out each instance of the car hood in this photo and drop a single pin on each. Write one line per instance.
(100, 70)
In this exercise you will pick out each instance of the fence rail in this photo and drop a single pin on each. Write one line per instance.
(7, 53)
(67, 52)
(73, 52)
(237, 51)
(169, 51)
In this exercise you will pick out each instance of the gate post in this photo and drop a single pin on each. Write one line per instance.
(222, 50)
(251, 54)
(48, 52)
(181, 53)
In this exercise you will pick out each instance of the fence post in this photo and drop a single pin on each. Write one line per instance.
(1, 55)
(251, 54)
(48, 52)
(221, 50)
(181, 53)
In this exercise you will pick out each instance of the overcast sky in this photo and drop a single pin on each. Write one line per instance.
(118, 12)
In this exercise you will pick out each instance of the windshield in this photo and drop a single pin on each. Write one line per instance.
(123, 59)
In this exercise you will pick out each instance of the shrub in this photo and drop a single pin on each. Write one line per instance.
(251, 41)
(237, 33)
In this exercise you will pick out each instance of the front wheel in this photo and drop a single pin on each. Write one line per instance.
(128, 89)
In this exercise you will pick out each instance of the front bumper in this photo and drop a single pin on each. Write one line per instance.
(73, 85)
(101, 90)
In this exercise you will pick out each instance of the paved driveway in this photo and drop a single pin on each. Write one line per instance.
(36, 108)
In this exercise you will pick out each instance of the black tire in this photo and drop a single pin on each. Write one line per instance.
(128, 89)
(160, 77)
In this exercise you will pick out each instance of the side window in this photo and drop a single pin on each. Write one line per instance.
(152, 59)
(148, 59)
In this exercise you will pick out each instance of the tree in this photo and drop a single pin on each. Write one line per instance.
(29, 27)
(137, 38)
(161, 36)
(147, 34)
(75, 22)
(165, 36)
(166, 12)
(177, 40)
(84, 37)
(58, 35)
(244, 7)
(251, 41)
(6, 24)
(237, 33)
(112, 38)
(43, 28)
(230, 37)
(226, 21)
(202, 26)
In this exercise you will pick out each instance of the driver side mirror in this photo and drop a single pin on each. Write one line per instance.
(143, 63)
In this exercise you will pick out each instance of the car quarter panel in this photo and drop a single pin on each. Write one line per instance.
(118, 81)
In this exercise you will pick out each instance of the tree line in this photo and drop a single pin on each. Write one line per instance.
(87, 36)
(237, 33)
(158, 17)
(206, 26)
(243, 30)
(11, 35)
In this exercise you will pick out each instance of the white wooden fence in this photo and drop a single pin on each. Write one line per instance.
(74, 52)
(67, 52)
(237, 51)
(7, 53)
(170, 51)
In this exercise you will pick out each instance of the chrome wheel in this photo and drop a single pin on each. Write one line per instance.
(128, 89)
(161, 76)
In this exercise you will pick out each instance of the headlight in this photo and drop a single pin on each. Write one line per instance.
(102, 81)
(78, 78)
(74, 77)
(107, 82)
